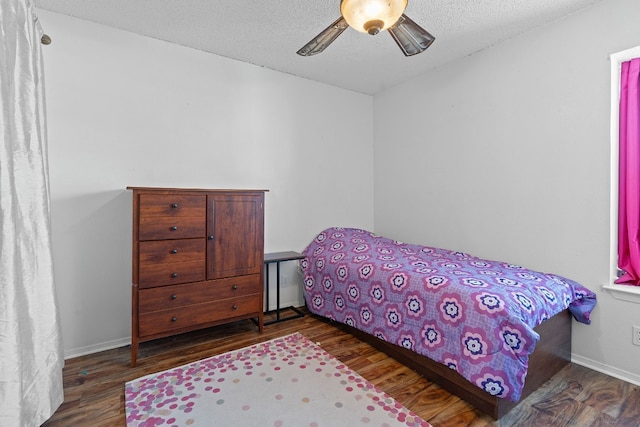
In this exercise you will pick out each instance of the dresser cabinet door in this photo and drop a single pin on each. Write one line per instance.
(235, 235)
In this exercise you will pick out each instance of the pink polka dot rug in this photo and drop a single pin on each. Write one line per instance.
(288, 381)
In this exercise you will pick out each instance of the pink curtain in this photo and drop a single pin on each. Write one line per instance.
(629, 178)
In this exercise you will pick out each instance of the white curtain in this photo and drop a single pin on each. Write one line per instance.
(31, 358)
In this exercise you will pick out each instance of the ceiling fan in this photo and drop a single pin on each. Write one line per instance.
(372, 17)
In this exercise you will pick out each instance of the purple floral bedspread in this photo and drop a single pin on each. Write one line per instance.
(473, 315)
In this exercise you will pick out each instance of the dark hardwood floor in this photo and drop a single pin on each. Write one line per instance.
(577, 396)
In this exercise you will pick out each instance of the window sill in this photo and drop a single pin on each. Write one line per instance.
(624, 292)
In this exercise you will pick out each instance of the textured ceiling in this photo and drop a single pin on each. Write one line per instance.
(268, 33)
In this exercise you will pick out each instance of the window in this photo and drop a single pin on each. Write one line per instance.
(624, 292)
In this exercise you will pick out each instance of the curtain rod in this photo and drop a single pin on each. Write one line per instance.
(45, 39)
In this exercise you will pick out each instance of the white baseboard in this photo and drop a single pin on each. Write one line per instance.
(121, 342)
(95, 348)
(605, 369)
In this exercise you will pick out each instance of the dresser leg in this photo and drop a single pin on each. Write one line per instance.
(134, 353)
(135, 341)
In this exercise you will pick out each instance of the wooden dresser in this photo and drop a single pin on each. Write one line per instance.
(197, 260)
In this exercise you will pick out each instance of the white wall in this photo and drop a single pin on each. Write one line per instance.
(505, 154)
(125, 110)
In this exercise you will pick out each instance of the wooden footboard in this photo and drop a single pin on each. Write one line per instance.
(552, 353)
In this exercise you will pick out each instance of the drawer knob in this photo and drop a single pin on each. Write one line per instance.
(174, 319)
(235, 307)
(211, 237)
(174, 296)
(174, 206)
(174, 251)
(174, 228)
(234, 287)
(174, 275)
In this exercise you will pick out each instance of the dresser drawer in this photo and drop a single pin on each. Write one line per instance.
(169, 297)
(236, 286)
(160, 228)
(168, 251)
(186, 317)
(171, 217)
(150, 274)
(173, 205)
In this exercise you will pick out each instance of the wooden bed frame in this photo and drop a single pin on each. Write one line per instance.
(552, 353)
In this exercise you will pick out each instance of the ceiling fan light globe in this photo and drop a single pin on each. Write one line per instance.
(360, 13)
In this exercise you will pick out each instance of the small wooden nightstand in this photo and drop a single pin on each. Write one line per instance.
(277, 258)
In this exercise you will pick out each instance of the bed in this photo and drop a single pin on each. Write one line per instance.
(469, 324)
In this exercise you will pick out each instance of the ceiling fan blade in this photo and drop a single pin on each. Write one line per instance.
(324, 39)
(410, 37)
